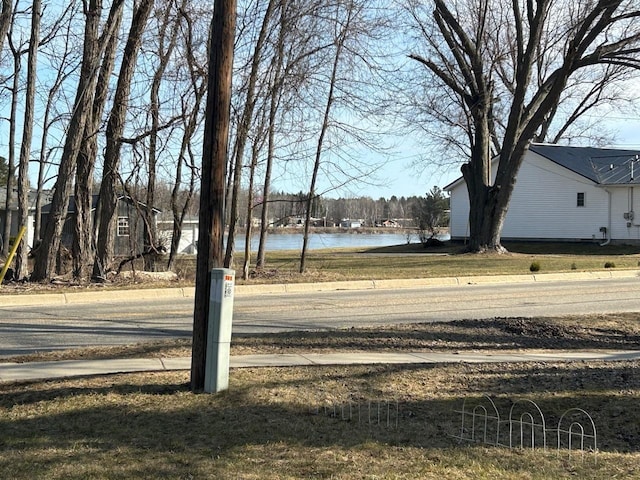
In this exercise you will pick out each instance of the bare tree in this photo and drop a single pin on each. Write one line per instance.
(244, 126)
(505, 67)
(192, 101)
(295, 45)
(345, 25)
(63, 63)
(5, 20)
(115, 126)
(45, 255)
(83, 238)
(274, 99)
(168, 30)
(27, 135)
(16, 52)
(256, 147)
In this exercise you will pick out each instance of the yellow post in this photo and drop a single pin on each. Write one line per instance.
(23, 229)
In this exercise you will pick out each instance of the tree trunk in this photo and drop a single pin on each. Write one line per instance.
(180, 212)
(11, 161)
(6, 17)
(27, 135)
(339, 43)
(115, 126)
(60, 77)
(212, 192)
(275, 90)
(82, 248)
(164, 54)
(488, 203)
(264, 216)
(250, 200)
(45, 258)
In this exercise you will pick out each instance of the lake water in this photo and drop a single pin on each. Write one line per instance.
(293, 241)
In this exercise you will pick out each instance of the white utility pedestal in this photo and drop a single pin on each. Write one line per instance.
(216, 373)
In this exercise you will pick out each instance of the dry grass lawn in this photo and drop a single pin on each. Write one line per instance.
(266, 426)
(399, 261)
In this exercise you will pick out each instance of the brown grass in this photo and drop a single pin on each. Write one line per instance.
(272, 424)
(400, 261)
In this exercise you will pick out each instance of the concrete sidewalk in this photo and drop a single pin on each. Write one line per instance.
(15, 372)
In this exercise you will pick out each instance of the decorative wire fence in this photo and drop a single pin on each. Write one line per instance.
(522, 425)
(385, 413)
(525, 427)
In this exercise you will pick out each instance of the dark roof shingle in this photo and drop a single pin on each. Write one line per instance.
(604, 166)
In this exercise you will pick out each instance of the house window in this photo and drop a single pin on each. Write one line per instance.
(580, 200)
(123, 226)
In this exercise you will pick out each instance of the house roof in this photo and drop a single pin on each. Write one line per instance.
(94, 202)
(603, 166)
(46, 197)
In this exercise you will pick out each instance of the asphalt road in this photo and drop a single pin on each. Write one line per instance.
(42, 328)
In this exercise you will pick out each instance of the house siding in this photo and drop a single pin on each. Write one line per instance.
(188, 238)
(124, 245)
(459, 215)
(625, 199)
(543, 205)
(134, 242)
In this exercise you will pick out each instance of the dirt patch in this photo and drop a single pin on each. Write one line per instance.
(596, 332)
(591, 332)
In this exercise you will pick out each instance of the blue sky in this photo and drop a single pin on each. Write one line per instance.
(400, 174)
(402, 178)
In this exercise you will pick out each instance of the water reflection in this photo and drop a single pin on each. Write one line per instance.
(293, 241)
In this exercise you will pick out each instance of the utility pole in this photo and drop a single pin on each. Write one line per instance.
(214, 163)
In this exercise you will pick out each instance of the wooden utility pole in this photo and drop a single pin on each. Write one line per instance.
(214, 162)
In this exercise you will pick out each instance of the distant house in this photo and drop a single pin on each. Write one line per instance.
(566, 194)
(390, 223)
(297, 222)
(351, 223)
(129, 233)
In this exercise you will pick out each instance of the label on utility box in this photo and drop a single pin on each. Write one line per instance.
(221, 288)
(228, 286)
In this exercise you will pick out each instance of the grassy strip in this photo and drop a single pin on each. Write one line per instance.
(414, 261)
(400, 261)
(272, 424)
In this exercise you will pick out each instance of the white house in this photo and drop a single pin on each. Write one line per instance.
(566, 194)
(188, 239)
(351, 223)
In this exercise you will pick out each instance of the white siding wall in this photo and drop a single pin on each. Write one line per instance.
(543, 205)
(188, 239)
(459, 216)
(623, 200)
